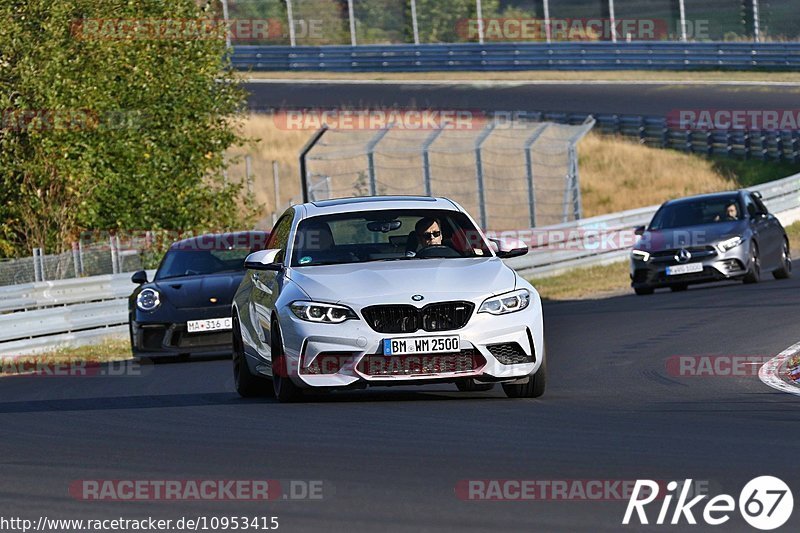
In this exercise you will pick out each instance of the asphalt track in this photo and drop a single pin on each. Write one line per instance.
(390, 459)
(641, 99)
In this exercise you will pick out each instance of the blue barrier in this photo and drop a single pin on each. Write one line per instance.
(638, 55)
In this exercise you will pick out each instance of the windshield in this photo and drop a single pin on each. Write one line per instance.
(179, 263)
(697, 212)
(386, 236)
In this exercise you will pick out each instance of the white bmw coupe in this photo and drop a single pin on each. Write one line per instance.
(382, 291)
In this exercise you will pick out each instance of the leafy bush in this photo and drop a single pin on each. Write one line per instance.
(104, 130)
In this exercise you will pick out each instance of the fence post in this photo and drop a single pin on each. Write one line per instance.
(373, 181)
(248, 173)
(352, 18)
(76, 259)
(426, 162)
(80, 256)
(479, 172)
(114, 257)
(276, 185)
(682, 8)
(479, 13)
(303, 153)
(414, 26)
(547, 29)
(756, 23)
(529, 171)
(290, 19)
(37, 267)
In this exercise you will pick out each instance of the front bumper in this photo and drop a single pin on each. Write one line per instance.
(350, 353)
(718, 266)
(165, 340)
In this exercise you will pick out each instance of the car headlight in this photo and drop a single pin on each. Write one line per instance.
(320, 312)
(506, 303)
(148, 300)
(728, 244)
(641, 255)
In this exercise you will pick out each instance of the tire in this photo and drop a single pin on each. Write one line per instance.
(785, 270)
(679, 288)
(535, 386)
(642, 291)
(754, 266)
(246, 384)
(284, 389)
(470, 385)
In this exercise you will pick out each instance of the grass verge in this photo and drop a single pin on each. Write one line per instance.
(109, 349)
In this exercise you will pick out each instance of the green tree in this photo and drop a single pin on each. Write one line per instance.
(106, 130)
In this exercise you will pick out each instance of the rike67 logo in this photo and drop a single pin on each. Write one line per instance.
(765, 503)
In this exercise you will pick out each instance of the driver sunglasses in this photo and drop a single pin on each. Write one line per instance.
(432, 234)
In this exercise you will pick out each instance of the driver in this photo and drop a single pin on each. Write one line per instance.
(429, 232)
(731, 213)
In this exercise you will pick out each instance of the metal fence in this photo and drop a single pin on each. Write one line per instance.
(509, 174)
(364, 22)
(89, 259)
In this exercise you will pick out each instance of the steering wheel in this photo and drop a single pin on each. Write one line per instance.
(437, 250)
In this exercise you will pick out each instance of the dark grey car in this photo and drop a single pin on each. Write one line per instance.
(711, 237)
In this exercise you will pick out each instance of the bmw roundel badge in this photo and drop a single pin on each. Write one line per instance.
(418, 297)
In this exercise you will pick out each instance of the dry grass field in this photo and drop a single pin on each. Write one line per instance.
(615, 173)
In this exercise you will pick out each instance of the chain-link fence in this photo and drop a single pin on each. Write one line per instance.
(85, 259)
(508, 174)
(362, 22)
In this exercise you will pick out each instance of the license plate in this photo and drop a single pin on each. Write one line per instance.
(684, 269)
(214, 324)
(415, 345)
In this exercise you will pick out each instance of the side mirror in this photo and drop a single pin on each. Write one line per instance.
(263, 260)
(139, 277)
(506, 248)
(639, 230)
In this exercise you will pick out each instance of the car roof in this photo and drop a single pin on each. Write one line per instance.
(709, 196)
(376, 203)
(219, 241)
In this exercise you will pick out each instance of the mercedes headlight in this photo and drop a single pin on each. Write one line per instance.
(729, 244)
(506, 303)
(148, 300)
(641, 255)
(320, 312)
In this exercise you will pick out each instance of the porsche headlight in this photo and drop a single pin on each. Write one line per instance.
(148, 300)
(729, 244)
(320, 312)
(641, 255)
(506, 303)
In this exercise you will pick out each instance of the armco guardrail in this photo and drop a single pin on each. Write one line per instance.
(58, 311)
(38, 316)
(781, 145)
(638, 55)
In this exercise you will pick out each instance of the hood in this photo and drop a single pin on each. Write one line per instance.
(690, 236)
(397, 281)
(197, 291)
